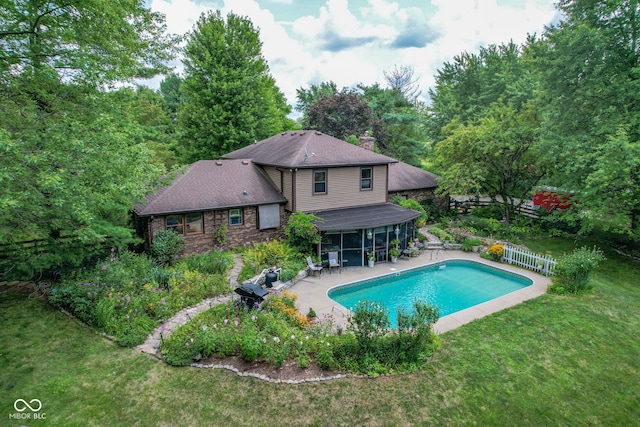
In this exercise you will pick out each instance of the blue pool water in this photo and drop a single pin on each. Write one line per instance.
(451, 285)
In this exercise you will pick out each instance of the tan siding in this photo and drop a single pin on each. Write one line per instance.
(343, 189)
(275, 176)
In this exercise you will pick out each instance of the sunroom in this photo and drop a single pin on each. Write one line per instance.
(355, 232)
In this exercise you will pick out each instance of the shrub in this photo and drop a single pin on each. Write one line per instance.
(79, 298)
(572, 271)
(440, 233)
(216, 262)
(431, 208)
(301, 233)
(416, 206)
(284, 305)
(469, 243)
(258, 256)
(415, 331)
(220, 236)
(370, 320)
(166, 247)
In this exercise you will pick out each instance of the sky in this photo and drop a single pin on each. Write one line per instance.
(349, 42)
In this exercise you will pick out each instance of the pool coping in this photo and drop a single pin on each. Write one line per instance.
(313, 291)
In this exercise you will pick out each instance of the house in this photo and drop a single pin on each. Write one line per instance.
(234, 196)
(411, 182)
(253, 190)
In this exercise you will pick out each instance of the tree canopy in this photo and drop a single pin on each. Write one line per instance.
(387, 114)
(231, 100)
(589, 67)
(484, 125)
(72, 165)
(402, 79)
(90, 41)
(341, 115)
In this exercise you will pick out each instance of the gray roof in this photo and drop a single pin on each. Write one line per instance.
(403, 176)
(308, 149)
(364, 217)
(213, 184)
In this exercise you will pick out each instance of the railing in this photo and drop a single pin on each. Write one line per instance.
(543, 264)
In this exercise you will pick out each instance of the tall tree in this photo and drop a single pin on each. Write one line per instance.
(591, 79)
(173, 96)
(145, 112)
(231, 99)
(401, 79)
(396, 124)
(90, 41)
(466, 88)
(308, 97)
(341, 115)
(495, 156)
(70, 168)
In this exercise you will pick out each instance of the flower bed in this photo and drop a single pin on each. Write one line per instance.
(278, 333)
(127, 296)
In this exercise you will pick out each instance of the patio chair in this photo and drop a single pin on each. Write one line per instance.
(313, 267)
(334, 261)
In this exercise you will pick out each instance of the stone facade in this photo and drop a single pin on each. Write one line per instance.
(237, 235)
(421, 194)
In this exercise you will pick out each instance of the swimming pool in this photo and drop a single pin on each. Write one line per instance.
(450, 285)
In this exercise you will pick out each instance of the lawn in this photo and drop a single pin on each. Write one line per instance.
(550, 361)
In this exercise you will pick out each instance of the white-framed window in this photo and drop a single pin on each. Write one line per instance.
(235, 216)
(366, 178)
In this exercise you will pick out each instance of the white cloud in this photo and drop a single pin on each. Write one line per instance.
(350, 46)
(181, 15)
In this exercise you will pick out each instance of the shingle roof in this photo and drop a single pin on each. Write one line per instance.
(213, 184)
(403, 176)
(364, 217)
(307, 149)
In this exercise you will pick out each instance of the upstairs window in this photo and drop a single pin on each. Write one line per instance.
(320, 182)
(235, 216)
(185, 224)
(366, 180)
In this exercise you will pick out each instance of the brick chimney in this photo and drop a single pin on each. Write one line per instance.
(366, 141)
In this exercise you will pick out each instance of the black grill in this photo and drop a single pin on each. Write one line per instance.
(251, 294)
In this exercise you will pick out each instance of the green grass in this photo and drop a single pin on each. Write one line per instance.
(550, 361)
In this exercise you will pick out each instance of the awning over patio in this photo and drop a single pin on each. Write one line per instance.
(364, 217)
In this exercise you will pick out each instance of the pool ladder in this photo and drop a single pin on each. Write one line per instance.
(334, 308)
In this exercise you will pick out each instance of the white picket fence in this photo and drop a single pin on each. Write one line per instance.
(543, 264)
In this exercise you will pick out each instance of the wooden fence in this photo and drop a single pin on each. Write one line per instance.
(465, 204)
(543, 264)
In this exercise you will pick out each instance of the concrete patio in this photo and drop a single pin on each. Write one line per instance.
(312, 290)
